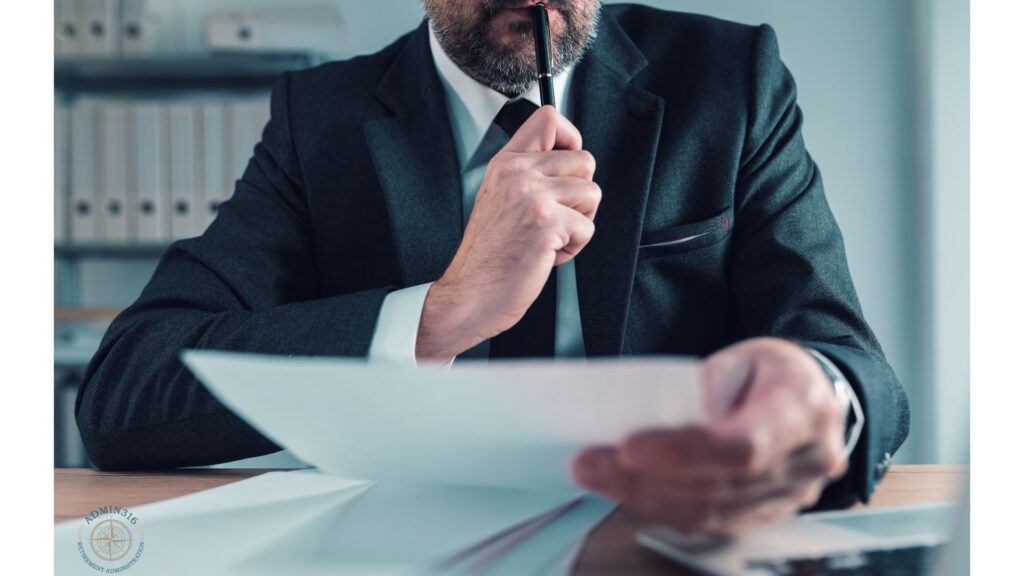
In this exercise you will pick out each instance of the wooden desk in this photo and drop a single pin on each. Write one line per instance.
(610, 549)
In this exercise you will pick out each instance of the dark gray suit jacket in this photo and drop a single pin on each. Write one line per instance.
(354, 191)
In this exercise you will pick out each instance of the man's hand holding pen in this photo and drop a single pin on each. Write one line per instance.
(535, 210)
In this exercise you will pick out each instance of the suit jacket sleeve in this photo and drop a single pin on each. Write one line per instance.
(248, 284)
(789, 273)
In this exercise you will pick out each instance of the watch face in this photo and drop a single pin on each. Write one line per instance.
(848, 398)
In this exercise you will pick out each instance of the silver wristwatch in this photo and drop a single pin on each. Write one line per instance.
(846, 395)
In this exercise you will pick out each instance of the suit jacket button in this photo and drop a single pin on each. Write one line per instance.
(882, 466)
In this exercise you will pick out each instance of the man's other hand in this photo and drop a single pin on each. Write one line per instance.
(773, 440)
(535, 210)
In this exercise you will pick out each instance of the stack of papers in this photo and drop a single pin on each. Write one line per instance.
(418, 470)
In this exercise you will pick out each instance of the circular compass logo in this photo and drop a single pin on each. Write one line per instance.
(110, 539)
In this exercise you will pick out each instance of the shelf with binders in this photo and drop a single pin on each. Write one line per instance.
(148, 145)
(101, 250)
(148, 170)
(175, 73)
(135, 173)
(158, 109)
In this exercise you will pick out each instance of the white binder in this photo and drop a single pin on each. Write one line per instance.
(214, 163)
(99, 22)
(84, 218)
(114, 197)
(67, 30)
(284, 29)
(61, 130)
(184, 181)
(140, 28)
(151, 180)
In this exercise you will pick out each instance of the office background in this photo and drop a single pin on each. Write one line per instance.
(884, 85)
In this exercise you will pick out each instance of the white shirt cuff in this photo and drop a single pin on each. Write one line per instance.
(394, 338)
(845, 391)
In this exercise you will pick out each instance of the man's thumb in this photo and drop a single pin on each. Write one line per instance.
(725, 376)
(544, 131)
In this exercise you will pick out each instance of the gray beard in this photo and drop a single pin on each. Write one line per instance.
(504, 70)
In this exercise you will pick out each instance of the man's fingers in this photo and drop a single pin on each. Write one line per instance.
(645, 495)
(595, 468)
(707, 505)
(766, 446)
(694, 451)
(769, 429)
(680, 503)
(545, 130)
(822, 459)
(578, 163)
(581, 195)
(578, 229)
(768, 503)
(726, 376)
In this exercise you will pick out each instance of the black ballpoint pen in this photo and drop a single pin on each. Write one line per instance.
(542, 42)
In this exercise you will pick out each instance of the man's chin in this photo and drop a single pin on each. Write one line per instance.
(510, 50)
(510, 36)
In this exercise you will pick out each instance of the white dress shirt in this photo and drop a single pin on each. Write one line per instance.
(472, 108)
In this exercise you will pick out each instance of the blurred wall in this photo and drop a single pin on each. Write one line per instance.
(944, 147)
(884, 88)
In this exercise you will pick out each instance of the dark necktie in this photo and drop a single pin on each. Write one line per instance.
(534, 335)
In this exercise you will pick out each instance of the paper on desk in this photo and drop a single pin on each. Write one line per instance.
(545, 546)
(400, 529)
(554, 549)
(203, 532)
(306, 523)
(473, 559)
(500, 424)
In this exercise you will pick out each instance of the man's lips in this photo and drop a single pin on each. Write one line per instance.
(522, 9)
(521, 5)
(516, 12)
(519, 12)
(524, 6)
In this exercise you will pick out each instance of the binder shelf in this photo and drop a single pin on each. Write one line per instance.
(98, 250)
(146, 149)
(175, 73)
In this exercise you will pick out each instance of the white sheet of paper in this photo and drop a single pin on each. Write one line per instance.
(545, 546)
(514, 424)
(217, 526)
(554, 549)
(470, 560)
(395, 528)
(306, 523)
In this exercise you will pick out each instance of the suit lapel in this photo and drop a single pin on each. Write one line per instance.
(414, 155)
(621, 125)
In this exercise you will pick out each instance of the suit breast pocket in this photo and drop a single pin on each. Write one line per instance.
(686, 237)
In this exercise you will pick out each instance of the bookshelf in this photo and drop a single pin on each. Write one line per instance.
(95, 279)
(72, 250)
(145, 78)
(175, 74)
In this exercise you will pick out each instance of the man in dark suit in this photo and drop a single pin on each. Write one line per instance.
(415, 204)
